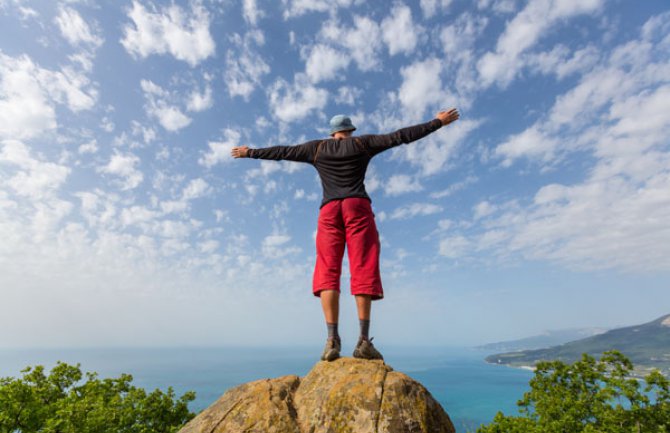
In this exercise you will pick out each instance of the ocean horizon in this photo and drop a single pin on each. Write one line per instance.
(470, 390)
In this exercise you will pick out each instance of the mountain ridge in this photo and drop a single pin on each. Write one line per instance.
(646, 345)
(546, 339)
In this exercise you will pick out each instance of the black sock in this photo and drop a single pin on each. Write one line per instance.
(365, 328)
(332, 330)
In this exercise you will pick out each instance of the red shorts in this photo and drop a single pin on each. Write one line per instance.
(349, 221)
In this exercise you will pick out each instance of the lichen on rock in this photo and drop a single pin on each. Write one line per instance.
(346, 395)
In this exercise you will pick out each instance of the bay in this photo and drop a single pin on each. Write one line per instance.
(470, 390)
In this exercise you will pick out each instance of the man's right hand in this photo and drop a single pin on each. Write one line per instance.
(240, 152)
(446, 117)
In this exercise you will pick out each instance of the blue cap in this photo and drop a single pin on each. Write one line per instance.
(341, 123)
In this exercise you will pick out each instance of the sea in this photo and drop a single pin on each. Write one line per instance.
(469, 389)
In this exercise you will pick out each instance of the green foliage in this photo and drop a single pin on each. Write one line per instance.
(61, 403)
(589, 396)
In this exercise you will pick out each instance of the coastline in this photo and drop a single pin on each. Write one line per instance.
(518, 367)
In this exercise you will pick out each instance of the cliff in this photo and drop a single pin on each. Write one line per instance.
(346, 395)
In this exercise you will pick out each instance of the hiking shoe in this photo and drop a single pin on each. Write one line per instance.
(365, 350)
(332, 350)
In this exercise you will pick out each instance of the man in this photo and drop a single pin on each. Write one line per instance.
(346, 217)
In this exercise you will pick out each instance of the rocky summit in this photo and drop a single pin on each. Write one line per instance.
(346, 395)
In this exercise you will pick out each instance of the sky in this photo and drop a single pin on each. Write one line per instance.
(125, 222)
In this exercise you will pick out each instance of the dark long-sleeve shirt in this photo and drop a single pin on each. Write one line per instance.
(342, 163)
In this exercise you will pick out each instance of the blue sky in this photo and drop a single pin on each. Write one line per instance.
(124, 221)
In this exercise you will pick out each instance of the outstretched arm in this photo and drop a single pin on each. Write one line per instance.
(380, 143)
(300, 153)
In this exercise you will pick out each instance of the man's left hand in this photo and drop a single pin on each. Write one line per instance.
(446, 117)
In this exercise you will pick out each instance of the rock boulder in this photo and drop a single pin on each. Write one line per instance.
(346, 395)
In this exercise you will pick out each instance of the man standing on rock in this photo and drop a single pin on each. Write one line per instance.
(346, 217)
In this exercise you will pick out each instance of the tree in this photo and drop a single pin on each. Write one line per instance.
(589, 396)
(61, 403)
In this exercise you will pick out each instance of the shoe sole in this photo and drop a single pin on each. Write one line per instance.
(357, 355)
(330, 356)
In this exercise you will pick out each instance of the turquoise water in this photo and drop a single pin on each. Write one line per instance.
(470, 390)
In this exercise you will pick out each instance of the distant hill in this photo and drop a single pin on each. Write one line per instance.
(647, 345)
(546, 339)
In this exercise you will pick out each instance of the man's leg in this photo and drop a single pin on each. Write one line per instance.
(363, 247)
(330, 241)
(364, 348)
(330, 302)
(364, 303)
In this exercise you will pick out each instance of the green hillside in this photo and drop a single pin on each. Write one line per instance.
(544, 340)
(647, 345)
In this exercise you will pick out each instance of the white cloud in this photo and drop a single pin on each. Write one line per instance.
(270, 186)
(498, 6)
(219, 151)
(196, 188)
(170, 117)
(483, 209)
(25, 109)
(433, 153)
(454, 247)
(25, 13)
(415, 209)
(574, 122)
(458, 40)
(251, 12)
(209, 246)
(200, 101)
(107, 124)
(90, 147)
(158, 106)
(169, 30)
(135, 215)
(372, 181)
(98, 208)
(75, 29)
(147, 133)
(430, 7)
(291, 102)
(348, 95)
(274, 246)
(399, 31)
(245, 66)
(174, 206)
(531, 143)
(300, 194)
(460, 36)
(523, 31)
(608, 223)
(33, 178)
(421, 86)
(28, 94)
(561, 62)
(123, 166)
(70, 87)
(616, 218)
(324, 63)
(296, 8)
(400, 184)
(362, 42)
(453, 188)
